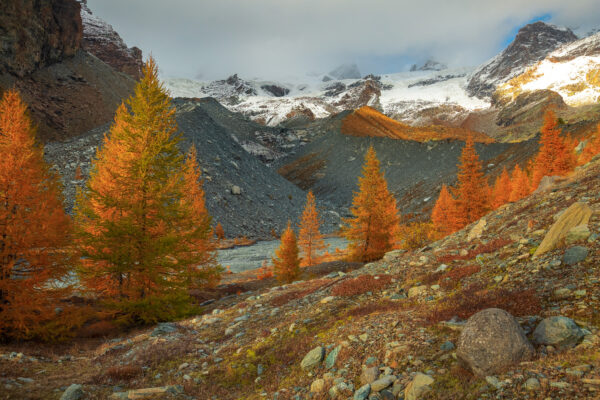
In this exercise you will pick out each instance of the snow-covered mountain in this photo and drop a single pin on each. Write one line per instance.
(572, 71)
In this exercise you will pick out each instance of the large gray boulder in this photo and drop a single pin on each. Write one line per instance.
(313, 358)
(491, 341)
(561, 332)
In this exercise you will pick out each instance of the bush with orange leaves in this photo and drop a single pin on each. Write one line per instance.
(361, 284)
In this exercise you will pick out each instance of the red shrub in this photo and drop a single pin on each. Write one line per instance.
(375, 307)
(285, 298)
(123, 372)
(361, 284)
(490, 247)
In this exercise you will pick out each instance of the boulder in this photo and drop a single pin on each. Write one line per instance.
(558, 331)
(332, 357)
(574, 255)
(477, 230)
(313, 358)
(578, 233)
(369, 375)
(362, 393)
(73, 392)
(236, 190)
(317, 386)
(418, 387)
(382, 383)
(577, 214)
(416, 291)
(491, 341)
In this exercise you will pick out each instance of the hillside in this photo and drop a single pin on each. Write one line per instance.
(392, 327)
(368, 122)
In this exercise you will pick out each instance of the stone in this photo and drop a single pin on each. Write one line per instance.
(393, 255)
(418, 386)
(447, 346)
(577, 214)
(317, 386)
(313, 358)
(492, 340)
(154, 392)
(416, 291)
(236, 190)
(369, 375)
(382, 383)
(532, 384)
(164, 329)
(575, 254)
(73, 392)
(494, 382)
(562, 293)
(327, 299)
(578, 233)
(558, 331)
(332, 357)
(477, 230)
(363, 392)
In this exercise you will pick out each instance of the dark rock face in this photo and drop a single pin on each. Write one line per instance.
(101, 40)
(532, 43)
(491, 341)
(429, 65)
(529, 107)
(275, 90)
(35, 34)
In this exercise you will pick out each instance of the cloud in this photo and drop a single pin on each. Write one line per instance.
(275, 38)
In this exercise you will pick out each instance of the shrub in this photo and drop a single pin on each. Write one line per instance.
(361, 284)
(375, 307)
(99, 329)
(416, 235)
(489, 247)
(298, 294)
(123, 372)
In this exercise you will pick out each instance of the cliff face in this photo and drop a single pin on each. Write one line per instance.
(34, 34)
(101, 40)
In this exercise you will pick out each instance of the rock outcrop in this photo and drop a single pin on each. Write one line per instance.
(577, 214)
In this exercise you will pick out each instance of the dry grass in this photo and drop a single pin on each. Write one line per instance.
(167, 351)
(123, 373)
(376, 307)
(312, 286)
(361, 284)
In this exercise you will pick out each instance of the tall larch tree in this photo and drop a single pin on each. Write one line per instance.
(310, 239)
(34, 229)
(135, 225)
(207, 272)
(520, 184)
(444, 215)
(472, 200)
(555, 156)
(373, 229)
(502, 189)
(592, 148)
(286, 263)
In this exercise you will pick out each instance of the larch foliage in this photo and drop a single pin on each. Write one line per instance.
(219, 231)
(34, 229)
(520, 184)
(310, 239)
(592, 148)
(502, 189)
(555, 156)
(135, 224)
(472, 200)
(374, 228)
(444, 215)
(286, 263)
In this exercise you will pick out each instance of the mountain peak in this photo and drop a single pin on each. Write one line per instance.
(345, 71)
(429, 65)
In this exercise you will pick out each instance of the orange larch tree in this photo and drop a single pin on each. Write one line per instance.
(135, 226)
(206, 271)
(472, 193)
(219, 231)
(444, 215)
(520, 184)
(555, 156)
(310, 239)
(591, 149)
(286, 263)
(502, 189)
(34, 229)
(375, 226)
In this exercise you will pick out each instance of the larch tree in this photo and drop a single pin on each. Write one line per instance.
(555, 156)
(520, 184)
(374, 228)
(472, 200)
(207, 272)
(34, 229)
(219, 231)
(135, 225)
(286, 263)
(502, 189)
(444, 214)
(592, 148)
(310, 239)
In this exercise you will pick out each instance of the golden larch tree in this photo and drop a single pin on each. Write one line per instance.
(520, 184)
(592, 148)
(310, 239)
(34, 229)
(135, 225)
(286, 263)
(219, 231)
(472, 193)
(444, 214)
(502, 189)
(374, 228)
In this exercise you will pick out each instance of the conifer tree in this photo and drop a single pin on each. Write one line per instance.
(472, 200)
(592, 148)
(207, 271)
(219, 231)
(135, 226)
(502, 189)
(286, 263)
(555, 156)
(372, 231)
(34, 229)
(444, 215)
(310, 239)
(520, 184)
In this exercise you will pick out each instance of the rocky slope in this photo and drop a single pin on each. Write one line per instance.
(100, 39)
(242, 193)
(406, 327)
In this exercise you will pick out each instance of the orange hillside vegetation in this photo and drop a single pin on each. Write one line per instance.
(367, 121)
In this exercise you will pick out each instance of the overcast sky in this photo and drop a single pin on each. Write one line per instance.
(212, 39)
